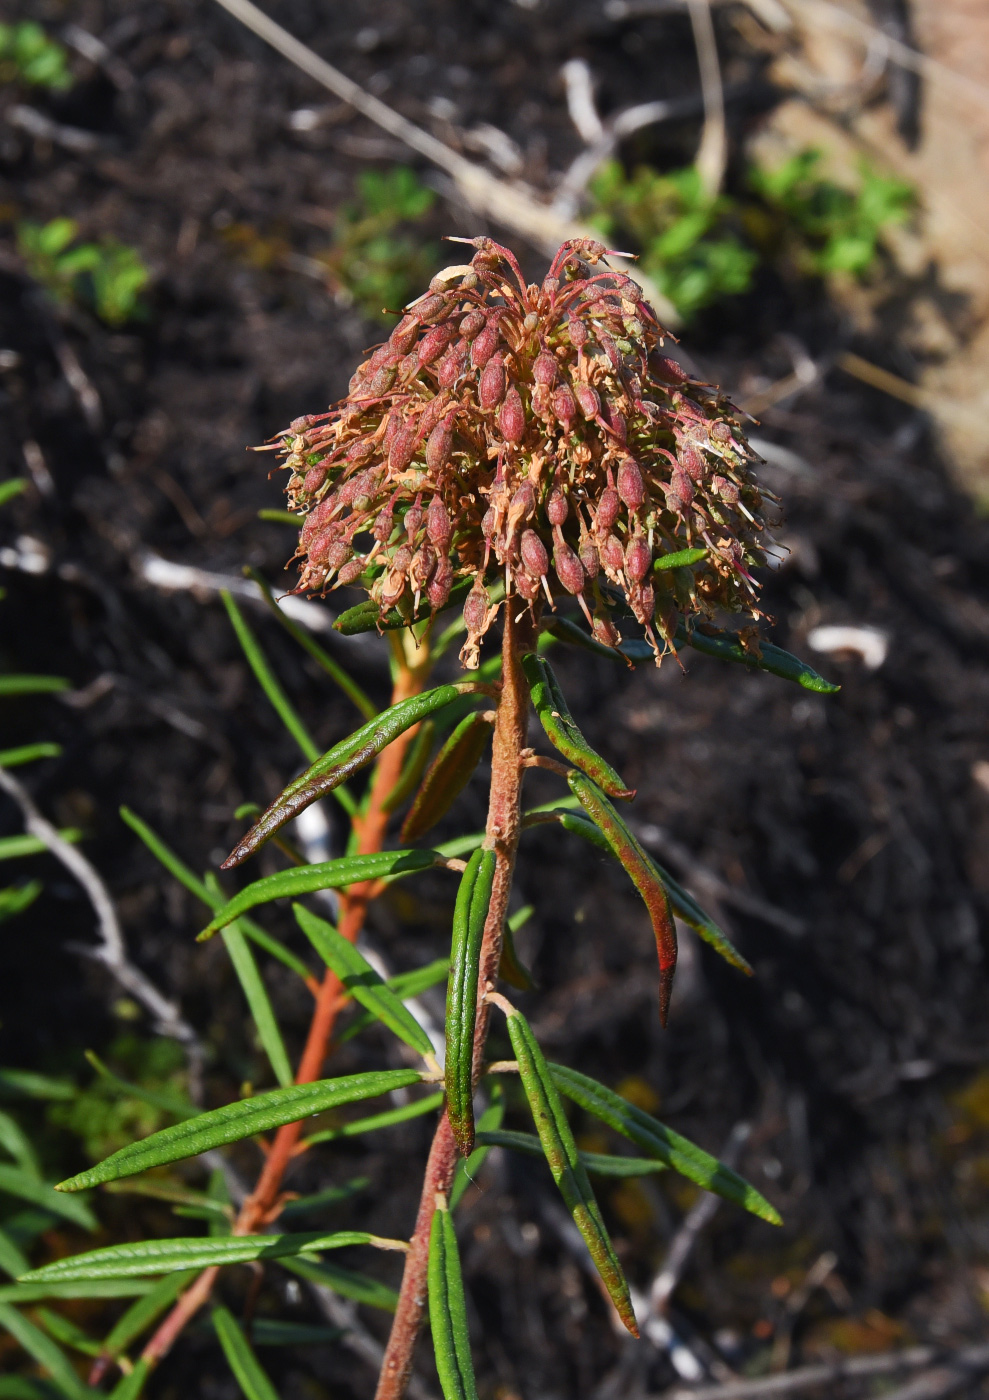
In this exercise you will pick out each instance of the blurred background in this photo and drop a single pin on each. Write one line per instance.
(197, 239)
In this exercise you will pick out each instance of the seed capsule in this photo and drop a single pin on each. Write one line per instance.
(511, 419)
(631, 487)
(491, 389)
(578, 332)
(721, 432)
(429, 309)
(380, 382)
(609, 506)
(611, 554)
(360, 450)
(422, 566)
(450, 368)
(569, 569)
(489, 523)
(485, 345)
(589, 400)
(589, 558)
(384, 524)
(564, 406)
(605, 631)
(691, 461)
(668, 370)
(351, 572)
(681, 488)
(439, 527)
(727, 490)
(314, 479)
(526, 585)
(533, 552)
(472, 324)
(403, 337)
(434, 343)
(637, 558)
(441, 582)
(557, 507)
(402, 449)
(329, 551)
(413, 520)
(544, 368)
(476, 609)
(438, 446)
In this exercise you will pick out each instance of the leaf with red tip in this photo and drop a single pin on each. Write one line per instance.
(643, 875)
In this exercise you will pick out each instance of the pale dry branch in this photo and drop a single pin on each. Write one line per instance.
(712, 154)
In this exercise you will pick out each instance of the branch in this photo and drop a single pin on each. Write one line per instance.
(713, 152)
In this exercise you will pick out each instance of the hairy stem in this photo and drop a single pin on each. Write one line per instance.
(262, 1205)
(503, 829)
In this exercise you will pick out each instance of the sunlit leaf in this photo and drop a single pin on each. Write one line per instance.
(46, 1353)
(469, 916)
(448, 1310)
(561, 728)
(14, 1181)
(370, 1124)
(600, 1163)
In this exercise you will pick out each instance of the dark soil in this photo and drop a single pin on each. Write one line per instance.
(844, 840)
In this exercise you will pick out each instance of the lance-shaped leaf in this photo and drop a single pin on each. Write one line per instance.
(681, 559)
(236, 1121)
(727, 646)
(14, 1181)
(267, 679)
(448, 1310)
(661, 1142)
(141, 1314)
(448, 775)
(248, 1371)
(259, 1003)
(510, 967)
(473, 899)
(561, 728)
(28, 753)
(347, 1282)
(33, 685)
(319, 1200)
(683, 904)
(345, 758)
(269, 1332)
(601, 1163)
(48, 1354)
(404, 985)
(468, 1167)
(22, 1293)
(68, 1332)
(642, 873)
(361, 980)
(201, 1252)
(568, 1171)
(374, 1121)
(130, 1386)
(366, 617)
(326, 875)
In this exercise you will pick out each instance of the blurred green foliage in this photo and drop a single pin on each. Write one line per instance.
(107, 276)
(700, 248)
(27, 55)
(377, 255)
(103, 1116)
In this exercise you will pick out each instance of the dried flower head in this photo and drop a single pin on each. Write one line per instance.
(534, 434)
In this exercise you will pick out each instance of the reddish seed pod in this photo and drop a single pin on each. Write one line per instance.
(434, 342)
(642, 600)
(526, 585)
(413, 520)
(551, 285)
(569, 569)
(402, 449)
(605, 631)
(491, 389)
(429, 309)
(609, 347)
(439, 527)
(533, 552)
(637, 558)
(323, 545)
(691, 461)
(351, 572)
(489, 522)
(523, 503)
(721, 432)
(441, 582)
(557, 507)
(360, 450)
(607, 512)
(395, 425)
(615, 423)
(485, 345)
(564, 406)
(611, 554)
(404, 335)
(476, 609)
(589, 400)
(392, 587)
(680, 491)
(384, 525)
(631, 487)
(668, 370)
(589, 558)
(361, 503)
(422, 566)
(544, 368)
(727, 490)
(314, 479)
(541, 397)
(578, 332)
(511, 419)
(380, 382)
(401, 559)
(315, 521)
(357, 485)
(438, 446)
(472, 324)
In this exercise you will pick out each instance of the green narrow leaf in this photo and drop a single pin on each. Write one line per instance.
(12, 1260)
(16, 898)
(248, 1371)
(279, 517)
(374, 1121)
(561, 728)
(214, 899)
(141, 1314)
(268, 681)
(236, 1121)
(15, 1143)
(404, 985)
(564, 1161)
(15, 1182)
(681, 559)
(130, 1387)
(322, 658)
(25, 1083)
(468, 1167)
(174, 1103)
(319, 1200)
(510, 967)
(200, 1252)
(327, 875)
(20, 1388)
(46, 1352)
(415, 764)
(268, 1332)
(28, 753)
(470, 914)
(448, 1310)
(13, 847)
(67, 1332)
(258, 1001)
(448, 775)
(11, 488)
(24, 1293)
(683, 904)
(345, 1282)
(344, 759)
(661, 1142)
(728, 647)
(643, 875)
(33, 685)
(361, 980)
(602, 1163)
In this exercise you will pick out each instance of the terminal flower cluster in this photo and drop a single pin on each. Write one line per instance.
(535, 435)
